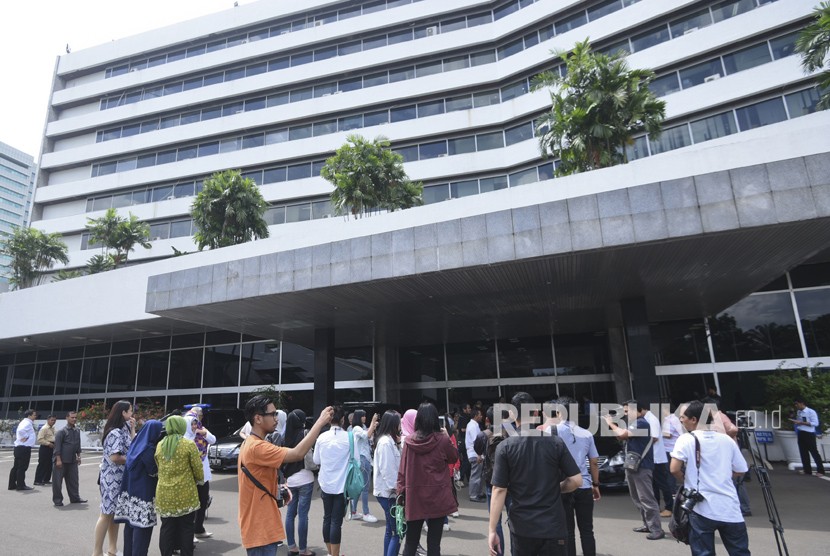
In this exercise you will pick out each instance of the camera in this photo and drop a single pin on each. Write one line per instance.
(692, 498)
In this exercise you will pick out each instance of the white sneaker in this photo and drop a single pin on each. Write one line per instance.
(369, 518)
(205, 535)
(446, 527)
(196, 541)
(356, 516)
(455, 514)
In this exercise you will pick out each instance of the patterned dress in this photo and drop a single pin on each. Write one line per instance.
(116, 442)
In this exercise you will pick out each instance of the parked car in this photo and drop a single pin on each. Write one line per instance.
(611, 471)
(225, 453)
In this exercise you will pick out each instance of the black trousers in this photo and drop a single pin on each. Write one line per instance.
(334, 509)
(526, 546)
(580, 503)
(177, 532)
(137, 540)
(43, 472)
(806, 447)
(204, 496)
(67, 472)
(465, 463)
(413, 536)
(17, 475)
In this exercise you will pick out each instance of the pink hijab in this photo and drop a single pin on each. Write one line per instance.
(408, 422)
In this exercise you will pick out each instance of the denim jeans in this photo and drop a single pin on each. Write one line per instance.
(267, 550)
(702, 536)
(334, 508)
(580, 503)
(391, 541)
(499, 530)
(300, 503)
(366, 469)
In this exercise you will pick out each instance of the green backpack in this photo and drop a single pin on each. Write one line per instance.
(354, 475)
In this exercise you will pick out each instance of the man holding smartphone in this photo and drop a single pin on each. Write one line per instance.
(805, 425)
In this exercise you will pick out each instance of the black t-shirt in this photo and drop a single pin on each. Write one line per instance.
(463, 421)
(530, 467)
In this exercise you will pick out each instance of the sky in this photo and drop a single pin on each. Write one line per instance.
(36, 31)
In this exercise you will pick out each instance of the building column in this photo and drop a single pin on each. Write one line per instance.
(387, 376)
(323, 369)
(619, 365)
(640, 352)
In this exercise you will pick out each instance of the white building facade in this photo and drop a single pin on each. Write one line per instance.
(273, 89)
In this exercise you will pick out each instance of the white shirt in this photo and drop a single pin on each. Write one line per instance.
(810, 416)
(719, 458)
(26, 429)
(300, 478)
(387, 463)
(672, 426)
(331, 453)
(361, 441)
(470, 438)
(656, 431)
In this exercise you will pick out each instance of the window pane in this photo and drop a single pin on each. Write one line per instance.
(456, 63)
(459, 103)
(302, 94)
(346, 85)
(299, 171)
(761, 114)
(510, 49)
(430, 68)
(453, 24)
(577, 20)
(747, 58)
(301, 58)
(211, 113)
(180, 228)
(122, 200)
(473, 360)
(523, 177)
(690, 23)
(209, 149)
(278, 63)
(162, 193)
(462, 145)
(261, 363)
(713, 127)
(487, 141)
(375, 79)
(485, 98)
(297, 364)
(324, 90)
(160, 231)
(650, 38)
(324, 128)
(275, 215)
(350, 122)
(321, 209)
(409, 154)
(375, 118)
(731, 8)
(695, 75)
(325, 53)
(400, 36)
(680, 342)
(274, 175)
(299, 132)
(526, 357)
(130, 130)
(783, 46)
(221, 367)
(165, 157)
(581, 354)
(481, 58)
(94, 378)
(374, 42)
(432, 108)
(546, 171)
(146, 160)
(152, 371)
(436, 193)
(254, 104)
(252, 141)
(402, 113)
(173, 88)
(233, 108)
(432, 150)
(664, 85)
(122, 373)
(191, 117)
(814, 310)
(670, 139)
(401, 74)
(148, 126)
(531, 40)
(464, 188)
(514, 90)
(298, 213)
(185, 368)
(479, 19)
(519, 133)
(126, 165)
(506, 9)
(492, 184)
(186, 153)
(802, 102)
(421, 363)
(277, 99)
(229, 145)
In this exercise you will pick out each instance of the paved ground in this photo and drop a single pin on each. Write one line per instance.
(29, 524)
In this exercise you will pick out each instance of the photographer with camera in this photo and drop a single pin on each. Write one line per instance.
(705, 461)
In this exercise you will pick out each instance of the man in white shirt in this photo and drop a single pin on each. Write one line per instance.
(24, 440)
(660, 476)
(719, 460)
(473, 428)
(805, 425)
(672, 429)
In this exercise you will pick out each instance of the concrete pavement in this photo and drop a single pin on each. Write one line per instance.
(30, 524)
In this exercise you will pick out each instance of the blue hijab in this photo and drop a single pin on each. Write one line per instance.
(145, 442)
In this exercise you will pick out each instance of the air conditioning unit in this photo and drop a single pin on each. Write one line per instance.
(690, 30)
(133, 70)
(713, 77)
(318, 23)
(432, 30)
(244, 41)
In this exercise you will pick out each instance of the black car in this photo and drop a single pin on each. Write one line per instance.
(225, 453)
(611, 471)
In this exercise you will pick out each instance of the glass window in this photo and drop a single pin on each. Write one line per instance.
(274, 175)
(170, 121)
(761, 114)
(111, 134)
(221, 367)
(526, 357)
(254, 104)
(258, 35)
(436, 193)
(453, 24)
(671, 138)
(531, 40)
(237, 40)
(664, 85)
(211, 113)
(432, 150)
(747, 58)
(485, 98)
(325, 53)
(298, 25)
(487, 141)
(130, 130)
(149, 93)
(402, 113)
(256, 69)
(183, 190)
(456, 63)
(195, 51)
(216, 45)
(260, 364)
(375, 118)
(523, 177)
(572, 22)
(186, 153)
(546, 171)
(299, 171)
(191, 117)
(229, 145)
(459, 103)
(514, 90)
(603, 8)
(462, 145)
(650, 38)
(546, 33)
(173, 88)
(679, 342)
(302, 94)
(509, 49)
(519, 133)
(783, 46)
(479, 19)
(375, 79)
(94, 378)
(429, 68)
(349, 48)
(298, 213)
(350, 122)
(421, 363)
(69, 377)
(321, 209)
(401, 74)
(209, 149)
(299, 132)
(481, 58)
(149, 126)
(409, 154)
(166, 157)
(325, 90)
(400, 36)
(581, 354)
(471, 360)
(761, 326)
(122, 373)
(802, 102)
(180, 228)
(233, 108)
(126, 165)
(152, 371)
(162, 193)
(700, 73)
(374, 42)
(492, 184)
(814, 310)
(300, 59)
(277, 99)
(252, 141)
(160, 231)
(122, 200)
(185, 369)
(353, 84)
(690, 23)
(432, 108)
(713, 127)
(463, 188)
(275, 215)
(278, 63)
(731, 8)
(324, 128)
(349, 12)
(44, 382)
(506, 9)
(297, 364)
(146, 160)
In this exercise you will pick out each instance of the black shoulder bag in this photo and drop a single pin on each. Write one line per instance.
(679, 525)
(280, 502)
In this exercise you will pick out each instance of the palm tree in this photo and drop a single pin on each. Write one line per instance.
(813, 43)
(228, 211)
(596, 109)
(119, 233)
(33, 252)
(368, 176)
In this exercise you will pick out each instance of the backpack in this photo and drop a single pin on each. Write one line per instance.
(308, 459)
(354, 475)
(492, 441)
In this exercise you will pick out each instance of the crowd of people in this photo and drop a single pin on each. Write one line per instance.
(414, 464)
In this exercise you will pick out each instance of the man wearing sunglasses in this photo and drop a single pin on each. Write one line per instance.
(260, 522)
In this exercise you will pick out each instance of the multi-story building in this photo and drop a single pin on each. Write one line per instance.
(17, 187)
(506, 279)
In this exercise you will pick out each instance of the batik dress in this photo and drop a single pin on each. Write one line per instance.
(116, 442)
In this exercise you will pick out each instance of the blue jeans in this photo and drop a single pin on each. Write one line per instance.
(267, 550)
(499, 530)
(702, 536)
(300, 497)
(366, 469)
(391, 541)
(334, 508)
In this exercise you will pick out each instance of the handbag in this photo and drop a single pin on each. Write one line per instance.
(679, 525)
(355, 482)
(633, 459)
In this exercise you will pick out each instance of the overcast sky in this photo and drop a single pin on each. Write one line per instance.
(36, 31)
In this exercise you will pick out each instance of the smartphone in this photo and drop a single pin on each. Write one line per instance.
(443, 421)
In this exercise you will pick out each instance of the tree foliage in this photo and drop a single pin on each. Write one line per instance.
(32, 252)
(813, 43)
(597, 108)
(785, 385)
(118, 233)
(367, 176)
(228, 211)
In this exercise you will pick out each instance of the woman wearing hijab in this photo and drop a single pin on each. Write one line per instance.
(119, 432)
(423, 481)
(203, 438)
(134, 506)
(177, 499)
(408, 423)
(301, 482)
